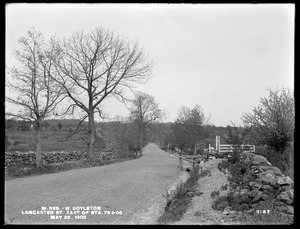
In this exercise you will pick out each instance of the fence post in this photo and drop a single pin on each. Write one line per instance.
(180, 162)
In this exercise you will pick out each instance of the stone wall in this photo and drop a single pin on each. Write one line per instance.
(13, 158)
(263, 181)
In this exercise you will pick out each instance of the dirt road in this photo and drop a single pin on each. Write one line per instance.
(130, 191)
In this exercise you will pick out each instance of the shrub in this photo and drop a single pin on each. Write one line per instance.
(224, 164)
(215, 193)
(205, 173)
(59, 125)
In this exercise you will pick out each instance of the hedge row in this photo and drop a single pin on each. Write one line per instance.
(12, 158)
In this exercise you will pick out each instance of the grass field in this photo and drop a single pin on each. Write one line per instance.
(24, 141)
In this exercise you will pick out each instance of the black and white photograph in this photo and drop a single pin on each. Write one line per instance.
(149, 114)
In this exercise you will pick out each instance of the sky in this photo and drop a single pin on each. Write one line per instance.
(222, 57)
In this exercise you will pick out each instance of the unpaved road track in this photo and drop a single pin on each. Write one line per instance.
(134, 187)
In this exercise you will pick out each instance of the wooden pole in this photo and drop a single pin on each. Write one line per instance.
(180, 162)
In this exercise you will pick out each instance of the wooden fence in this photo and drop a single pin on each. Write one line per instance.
(226, 148)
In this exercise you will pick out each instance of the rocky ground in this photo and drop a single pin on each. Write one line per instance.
(200, 210)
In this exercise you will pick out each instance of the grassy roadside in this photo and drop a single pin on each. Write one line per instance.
(26, 170)
(179, 200)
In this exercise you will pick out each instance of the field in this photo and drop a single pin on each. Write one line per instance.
(24, 141)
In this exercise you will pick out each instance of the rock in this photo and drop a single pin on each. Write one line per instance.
(257, 197)
(254, 184)
(254, 193)
(270, 180)
(291, 194)
(277, 191)
(286, 187)
(251, 210)
(244, 191)
(274, 170)
(267, 192)
(246, 178)
(244, 199)
(244, 207)
(267, 187)
(264, 196)
(290, 210)
(258, 159)
(258, 181)
(236, 194)
(285, 181)
(225, 212)
(285, 198)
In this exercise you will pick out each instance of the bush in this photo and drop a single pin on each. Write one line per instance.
(224, 164)
(8, 142)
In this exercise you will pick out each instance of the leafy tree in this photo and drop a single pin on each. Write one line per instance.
(272, 123)
(188, 128)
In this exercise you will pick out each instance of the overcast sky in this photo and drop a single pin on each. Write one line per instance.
(222, 57)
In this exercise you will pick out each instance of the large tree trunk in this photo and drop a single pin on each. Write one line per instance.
(91, 150)
(38, 152)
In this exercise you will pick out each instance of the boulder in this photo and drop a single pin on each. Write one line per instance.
(290, 192)
(236, 194)
(254, 184)
(285, 198)
(244, 207)
(264, 196)
(286, 187)
(267, 187)
(269, 180)
(258, 159)
(290, 210)
(254, 193)
(275, 170)
(256, 199)
(285, 181)
(244, 199)
(267, 192)
(243, 191)
(246, 178)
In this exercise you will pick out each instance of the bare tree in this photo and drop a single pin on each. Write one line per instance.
(93, 66)
(144, 110)
(37, 94)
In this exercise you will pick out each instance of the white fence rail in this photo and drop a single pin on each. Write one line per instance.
(226, 148)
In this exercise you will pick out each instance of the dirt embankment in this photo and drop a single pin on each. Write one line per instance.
(200, 211)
